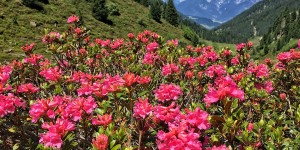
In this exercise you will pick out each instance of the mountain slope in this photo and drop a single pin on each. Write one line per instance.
(256, 20)
(20, 25)
(283, 35)
(215, 10)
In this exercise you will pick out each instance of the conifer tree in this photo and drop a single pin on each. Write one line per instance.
(155, 10)
(171, 13)
(100, 11)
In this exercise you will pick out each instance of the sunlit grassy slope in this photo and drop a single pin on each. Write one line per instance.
(20, 25)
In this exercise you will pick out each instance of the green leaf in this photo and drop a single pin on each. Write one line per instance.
(116, 147)
(143, 93)
(12, 130)
(16, 146)
(112, 144)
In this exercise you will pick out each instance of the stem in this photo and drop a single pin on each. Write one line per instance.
(140, 139)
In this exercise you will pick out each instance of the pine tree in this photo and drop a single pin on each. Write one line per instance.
(155, 10)
(100, 11)
(171, 13)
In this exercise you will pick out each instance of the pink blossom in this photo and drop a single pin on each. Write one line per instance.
(198, 118)
(268, 86)
(212, 56)
(189, 74)
(27, 88)
(166, 114)
(150, 58)
(108, 85)
(77, 106)
(250, 126)
(202, 60)
(167, 92)
(240, 47)
(143, 80)
(5, 72)
(261, 71)
(178, 137)
(101, 142)
(282, 96)
(215, 71)
(224, 87)
(103, 120)
(42, 107)
(172, 43)
(221, 147)
(85, 89)
(55, 132)
(142, 108)
(72, 19)
(284, 57)
(8, 104)
(152, 47)
(235, 61)
(129, 78)
(169, 68)
(51, 74)
(117, 44)
(28, 48)
(51, 140)
(33, 59)
(130, 35)
(51, 37)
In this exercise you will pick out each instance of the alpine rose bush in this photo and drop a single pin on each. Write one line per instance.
(147, 93)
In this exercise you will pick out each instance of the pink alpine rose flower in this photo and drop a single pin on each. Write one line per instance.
(167, 92)
(198, 118)
(152, 47)
(27, 88)
(284, 57)
(51, 74)
(101, 142)
(103, 120)
(168, 69)
(215, 71)
(72, 19)
(142, 108)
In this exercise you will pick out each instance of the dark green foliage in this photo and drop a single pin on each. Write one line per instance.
(100, 11)
(114, 10)
(261, 15)
(171, 13)
(144, 2)
(28, 3)
(283, 30)
(35, 4)
(155, 10)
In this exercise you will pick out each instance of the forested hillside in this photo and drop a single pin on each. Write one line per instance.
(283, 35)
(253, 22)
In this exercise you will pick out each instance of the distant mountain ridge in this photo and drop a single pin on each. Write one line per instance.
(218, 11)
(255, 21)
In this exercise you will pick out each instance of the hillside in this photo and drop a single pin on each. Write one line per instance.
(20, 24)
(283, 35)
(255, 21)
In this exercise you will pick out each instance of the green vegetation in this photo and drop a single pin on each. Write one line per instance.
(20, 24)
(155, 10)
(100, 11)
(27, 24)
(253, 22)
(171, 13)
(283, 35)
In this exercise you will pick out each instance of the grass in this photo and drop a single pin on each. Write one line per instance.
(17, 29)
(20, 25)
